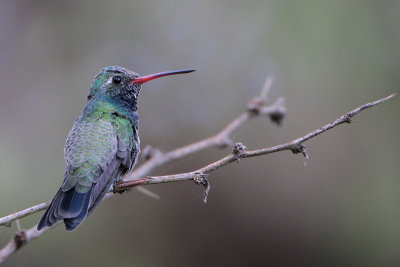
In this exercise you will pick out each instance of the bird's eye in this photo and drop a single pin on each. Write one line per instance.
(116, 80)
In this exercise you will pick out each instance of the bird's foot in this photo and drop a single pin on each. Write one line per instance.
(114, 188)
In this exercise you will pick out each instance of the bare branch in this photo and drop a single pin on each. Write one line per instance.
(221, 139)
(23, 213)
(296, 146)
(156, 158)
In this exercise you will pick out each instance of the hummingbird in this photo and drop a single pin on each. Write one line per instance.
(102, 146)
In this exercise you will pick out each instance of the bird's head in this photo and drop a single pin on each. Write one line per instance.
(120, 83)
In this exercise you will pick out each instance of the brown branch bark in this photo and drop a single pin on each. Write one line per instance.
(156, 158)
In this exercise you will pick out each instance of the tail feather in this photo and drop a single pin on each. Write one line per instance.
(73, 222)
(69, 206)
(49, 217)
(73, 207)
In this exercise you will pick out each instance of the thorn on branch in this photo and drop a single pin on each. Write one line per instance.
(201, 179)
(300, 148)
(20, 239)
(238, 151)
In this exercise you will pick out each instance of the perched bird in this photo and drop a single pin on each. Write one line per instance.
(102, 146)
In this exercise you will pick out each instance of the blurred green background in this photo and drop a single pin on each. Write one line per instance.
(326, 56)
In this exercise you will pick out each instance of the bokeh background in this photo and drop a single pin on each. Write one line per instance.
(326, 56)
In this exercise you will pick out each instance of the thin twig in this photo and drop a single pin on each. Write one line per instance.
(266, 87)
(23, 213)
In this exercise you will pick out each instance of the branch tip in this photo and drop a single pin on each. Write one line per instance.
(266, 87)
(255, 104)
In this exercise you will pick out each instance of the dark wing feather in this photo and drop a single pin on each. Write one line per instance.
(103, 184)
